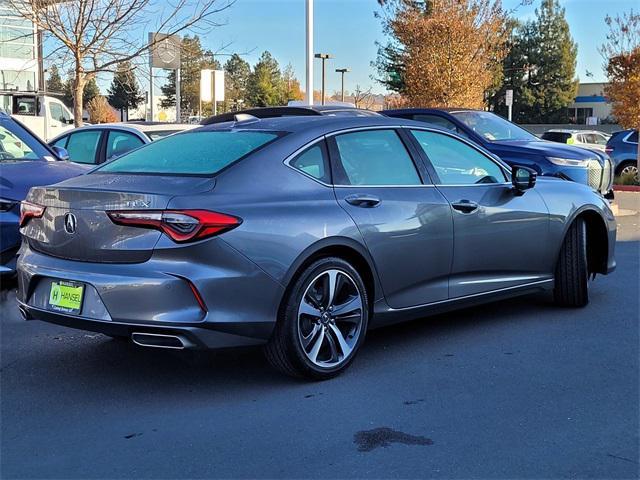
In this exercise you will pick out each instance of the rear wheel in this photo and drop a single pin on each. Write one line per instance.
(572, 272)
(629, 169)
(323, 322)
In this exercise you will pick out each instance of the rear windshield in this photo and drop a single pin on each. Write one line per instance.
(193, 153)
(560, 137)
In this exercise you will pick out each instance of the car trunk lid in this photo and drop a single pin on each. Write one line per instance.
(76, 226)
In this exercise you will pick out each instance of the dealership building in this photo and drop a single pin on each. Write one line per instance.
(19, 66)
(590, 103)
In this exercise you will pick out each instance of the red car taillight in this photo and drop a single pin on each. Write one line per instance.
(180, 225)
(30, 210)
(608, 150)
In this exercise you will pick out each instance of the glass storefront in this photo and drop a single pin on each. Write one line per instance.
(18, 52)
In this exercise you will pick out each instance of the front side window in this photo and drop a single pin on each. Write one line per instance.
(57, 112)
(82, 146)
(119, 143)
(313, 162)
(18, 144)
(457, 163)
(375, 157)
(193, 153)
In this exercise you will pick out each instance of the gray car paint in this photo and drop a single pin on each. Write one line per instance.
(413, 242)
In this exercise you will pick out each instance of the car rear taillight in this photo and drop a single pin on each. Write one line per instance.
(180, 225)
(608, 150)
(30, 210)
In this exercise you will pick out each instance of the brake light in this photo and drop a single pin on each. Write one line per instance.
(180, 225)
(30, 210)
(608, 150)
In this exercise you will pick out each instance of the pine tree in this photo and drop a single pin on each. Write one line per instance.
(546, 55)
(264, 87)
(193, 59)
(237, 72)
(290, 85)
(124, 92)
(54, 83)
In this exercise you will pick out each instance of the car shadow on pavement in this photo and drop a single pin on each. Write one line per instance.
(95, 358)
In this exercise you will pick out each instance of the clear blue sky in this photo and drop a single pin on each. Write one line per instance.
(348, 30)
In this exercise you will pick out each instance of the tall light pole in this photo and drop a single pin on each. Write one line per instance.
(342, 71)
(309, 53)
(323, 57)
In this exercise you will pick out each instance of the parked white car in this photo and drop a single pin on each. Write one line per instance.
(95, 144)
(592, 139)
(44, 115)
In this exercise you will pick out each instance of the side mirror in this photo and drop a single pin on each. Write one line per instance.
(61, 153)
(522, 178)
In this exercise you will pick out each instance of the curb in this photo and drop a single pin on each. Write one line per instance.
(626, 188)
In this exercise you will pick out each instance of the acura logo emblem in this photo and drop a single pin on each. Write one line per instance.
(70, 223)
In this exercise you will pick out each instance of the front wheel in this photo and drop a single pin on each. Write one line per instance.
(323, 322)
(572, 272)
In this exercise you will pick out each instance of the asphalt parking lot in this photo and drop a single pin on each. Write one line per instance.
(509, 390)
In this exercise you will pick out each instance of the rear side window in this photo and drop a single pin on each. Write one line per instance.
(437, 121)
(82, 146)
(375, 157)
(195, 153)
(313, 162)
(634, 137)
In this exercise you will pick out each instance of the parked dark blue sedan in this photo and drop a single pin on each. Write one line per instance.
(623, 149)
(516, 146)
(25, 162)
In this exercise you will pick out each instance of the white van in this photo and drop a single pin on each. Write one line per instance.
(45, 116)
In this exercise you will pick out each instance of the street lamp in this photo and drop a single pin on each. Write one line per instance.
(323, 57)
(342, 71)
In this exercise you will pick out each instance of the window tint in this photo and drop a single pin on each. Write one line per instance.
(560, 137)
(194, 153)
(455, 162)
(375, 157)
(313, 161)
(437, 121)
(121, 142)
(82, 146)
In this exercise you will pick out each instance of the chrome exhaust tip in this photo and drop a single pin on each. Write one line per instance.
(158, 340)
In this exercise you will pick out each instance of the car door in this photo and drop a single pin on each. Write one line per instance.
(405, 221)
(501, 239)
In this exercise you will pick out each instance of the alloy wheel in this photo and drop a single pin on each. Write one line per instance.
(630, 170)
(330, 317)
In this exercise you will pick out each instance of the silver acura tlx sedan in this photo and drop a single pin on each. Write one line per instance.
(301, 233)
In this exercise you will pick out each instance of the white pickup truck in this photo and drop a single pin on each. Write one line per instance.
(44, 115)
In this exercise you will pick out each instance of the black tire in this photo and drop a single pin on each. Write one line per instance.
(572, 271)
(285, 351)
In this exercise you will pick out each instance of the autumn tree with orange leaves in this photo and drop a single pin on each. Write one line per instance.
(442, 53)
(622, 56)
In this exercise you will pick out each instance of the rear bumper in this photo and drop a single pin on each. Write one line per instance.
(161, 296)
(196, 336)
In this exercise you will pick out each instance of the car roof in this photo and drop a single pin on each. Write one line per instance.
(404, 111)
(319, 124)
(288, 111)
(572, 130)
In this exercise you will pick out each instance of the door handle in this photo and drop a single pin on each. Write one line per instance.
(365, 201)
(465, 206)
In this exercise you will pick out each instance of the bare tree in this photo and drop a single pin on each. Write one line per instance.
(362, 98)
(93, 36)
